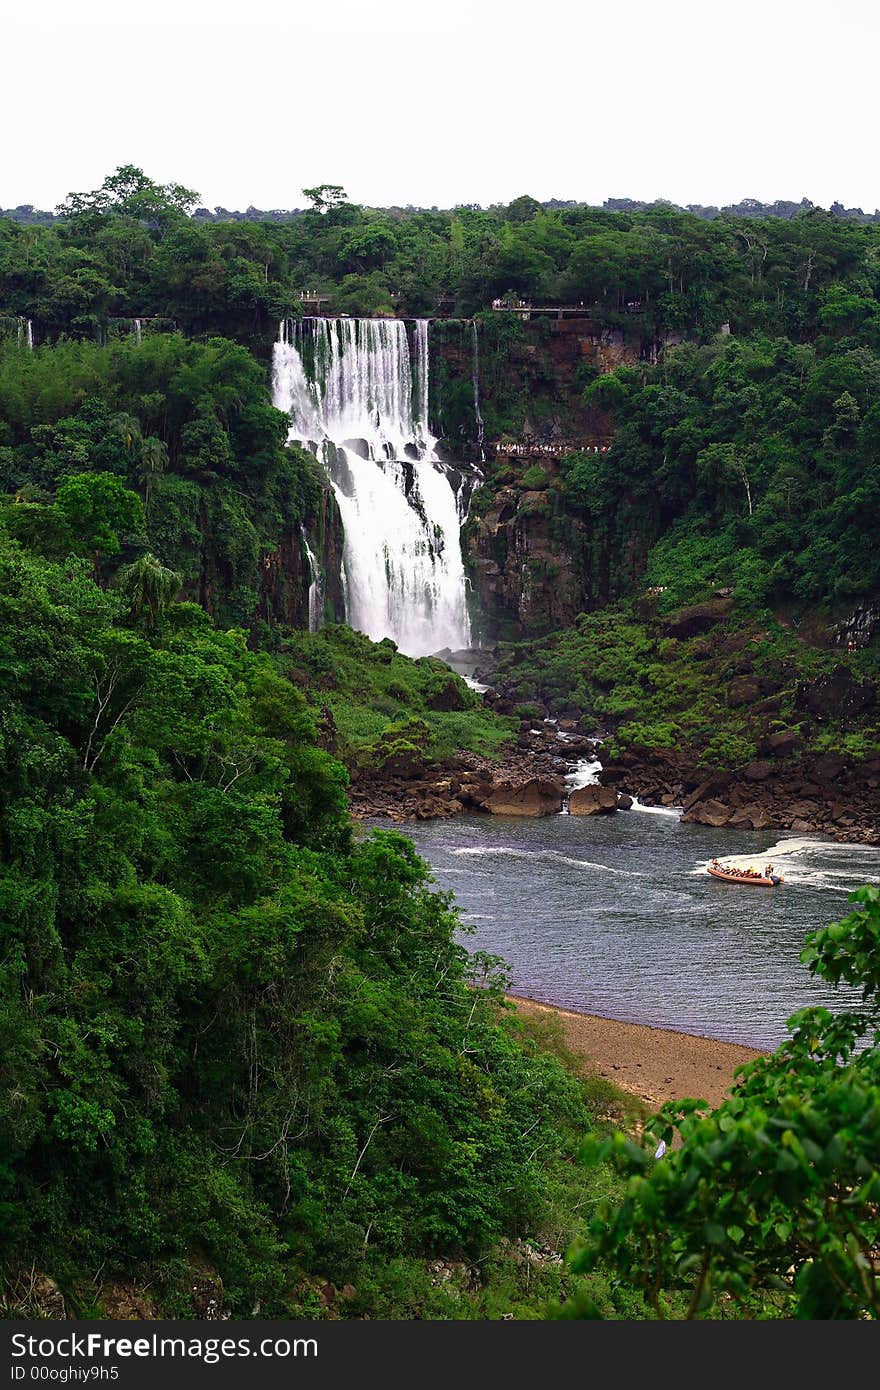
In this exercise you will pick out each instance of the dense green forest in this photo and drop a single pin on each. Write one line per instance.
(232, 1031)
(241, 1043)
(130, 249)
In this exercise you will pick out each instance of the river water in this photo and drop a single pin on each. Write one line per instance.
(616, 915)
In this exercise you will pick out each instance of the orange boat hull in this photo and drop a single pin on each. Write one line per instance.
(760, 882)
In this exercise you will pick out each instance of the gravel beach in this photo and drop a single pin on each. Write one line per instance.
(655, 1064)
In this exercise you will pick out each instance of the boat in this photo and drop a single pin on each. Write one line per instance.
(737, 876)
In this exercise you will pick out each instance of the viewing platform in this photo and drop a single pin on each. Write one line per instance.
(524, 309)
(315, 302)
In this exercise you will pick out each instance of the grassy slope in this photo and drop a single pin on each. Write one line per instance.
(658, 692)
(377, 697)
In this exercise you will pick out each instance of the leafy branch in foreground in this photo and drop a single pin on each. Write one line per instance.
(772, 1202)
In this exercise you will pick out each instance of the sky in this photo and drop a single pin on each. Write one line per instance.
(403, 102)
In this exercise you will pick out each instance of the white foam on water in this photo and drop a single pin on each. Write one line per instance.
(475, 685)
(676, 811)
(586, 774)
(799, 861)
(484, 851)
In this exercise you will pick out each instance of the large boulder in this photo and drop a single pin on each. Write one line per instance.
(827, 767)
(539, 796)
(781, 744)
(750, 817)
(592, 801)
(710, 787)
(448, 694)
(757, 771)
(709, 812)
(837, 696)
(742, 690)
(690, 622)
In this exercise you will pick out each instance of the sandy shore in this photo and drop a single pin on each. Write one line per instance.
(654, 1064)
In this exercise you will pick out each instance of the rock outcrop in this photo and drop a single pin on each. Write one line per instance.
(592, 801)
(787, 790)
(691, 622)
(539, 796)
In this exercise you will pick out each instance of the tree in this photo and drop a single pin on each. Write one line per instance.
(99, 511)
(128, 192)
(149, 587)
(326, 196)
(772, 1201)
(719, 469)
(151, 465)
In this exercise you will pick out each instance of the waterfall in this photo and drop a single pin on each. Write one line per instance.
(26, 333)
(358, 396)
(137, 330)
(585, 774)
(316, 588)
(475, 374)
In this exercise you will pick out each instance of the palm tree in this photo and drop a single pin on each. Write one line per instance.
(152, 462)
(128, 428)
(149, 588)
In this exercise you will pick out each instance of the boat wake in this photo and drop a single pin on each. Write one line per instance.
(483, 851)
(806, 861)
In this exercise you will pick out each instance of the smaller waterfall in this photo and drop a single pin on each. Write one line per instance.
(316, 588)
(585, 774)
(475, 376)
(26, 333)
(137, 330)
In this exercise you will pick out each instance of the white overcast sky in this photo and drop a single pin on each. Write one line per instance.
(459, 101)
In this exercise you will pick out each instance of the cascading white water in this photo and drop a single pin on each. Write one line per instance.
(356, 394)
(138, 329)
(26, 333)
(475, 376)
(316, 588)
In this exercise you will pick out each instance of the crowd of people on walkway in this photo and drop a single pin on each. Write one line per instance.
(525, 448)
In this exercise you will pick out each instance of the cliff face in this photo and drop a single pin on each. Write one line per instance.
(286, 576)
(525, 574)
(328, 530)
(510, 390)
(534, 562)
(528, 375)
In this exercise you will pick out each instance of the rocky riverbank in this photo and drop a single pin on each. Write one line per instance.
(785, 789)
(529, 781)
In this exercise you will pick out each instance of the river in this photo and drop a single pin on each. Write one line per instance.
(616, 915)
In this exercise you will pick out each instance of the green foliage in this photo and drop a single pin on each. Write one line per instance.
(378, 698)
(655, 692)
(647, 737)
(188, 427)
(223, 1035)
(727, 750)
(534, 478)
(752, 464)
(771, 1200)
